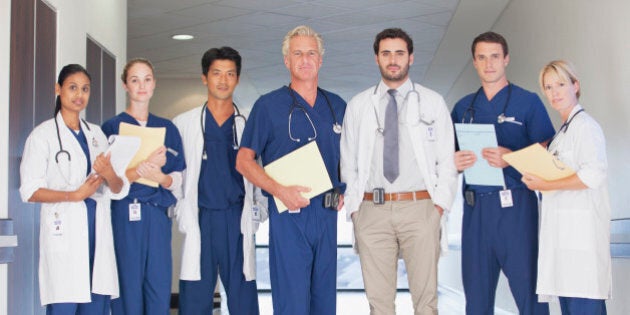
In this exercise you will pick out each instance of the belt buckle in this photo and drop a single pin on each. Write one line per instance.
(378, 196)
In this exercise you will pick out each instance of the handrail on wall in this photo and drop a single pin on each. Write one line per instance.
(8, 241)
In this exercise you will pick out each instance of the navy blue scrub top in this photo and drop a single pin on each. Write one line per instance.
(80, 136)
(175, 161)
(525, 107)
(220, 185)
(266, 131)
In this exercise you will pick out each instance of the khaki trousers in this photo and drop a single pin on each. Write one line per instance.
(410, 229)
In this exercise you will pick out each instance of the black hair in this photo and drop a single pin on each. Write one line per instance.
(393, 33)
(223, 53)
(490, 37)
(65, 72)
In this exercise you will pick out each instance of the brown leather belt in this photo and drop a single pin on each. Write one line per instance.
(401, 196)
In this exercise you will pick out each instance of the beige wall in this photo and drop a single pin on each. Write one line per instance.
(174, 96)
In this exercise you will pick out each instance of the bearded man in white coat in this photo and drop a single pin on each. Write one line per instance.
(397, 151)
(220, 211)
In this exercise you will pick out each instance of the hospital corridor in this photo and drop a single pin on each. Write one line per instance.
(416, 109)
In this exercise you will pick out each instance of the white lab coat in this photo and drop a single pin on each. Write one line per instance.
(187, 208)
(574, 255)
(64, 274)
(433, 155)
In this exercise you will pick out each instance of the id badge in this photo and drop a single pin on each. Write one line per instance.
(256, 214)
(430, 133)
(57, 225)
(506, 198)
(135, 211)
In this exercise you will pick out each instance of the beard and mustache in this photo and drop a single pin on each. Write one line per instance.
(397, 76)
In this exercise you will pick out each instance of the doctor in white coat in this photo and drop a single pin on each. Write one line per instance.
(574, 257)
(399, 217)
(77, 265)
(209, 192)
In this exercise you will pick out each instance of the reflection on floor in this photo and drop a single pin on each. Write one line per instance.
(356, 303)
(449, 303)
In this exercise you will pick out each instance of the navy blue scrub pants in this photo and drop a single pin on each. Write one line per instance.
(143, 255)
(582, 306)
(303, 260)
(100, 303)
(222, 252)
(495, 239)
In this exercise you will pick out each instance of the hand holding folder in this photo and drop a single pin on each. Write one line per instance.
(535, 160)
(150, 140)
(303, 167)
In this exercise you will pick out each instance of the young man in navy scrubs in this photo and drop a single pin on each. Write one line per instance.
(500, 225)
(215, 195)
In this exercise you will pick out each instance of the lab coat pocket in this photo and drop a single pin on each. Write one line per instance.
(54, 234)
(575, 229)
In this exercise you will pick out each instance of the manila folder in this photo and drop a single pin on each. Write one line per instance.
(150, 140)
(303, 167)
(535, 160)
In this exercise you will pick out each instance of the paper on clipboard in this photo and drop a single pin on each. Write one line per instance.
(150, 140)
(121, 150)
(475, 137)
(304, 167)
(535, 160)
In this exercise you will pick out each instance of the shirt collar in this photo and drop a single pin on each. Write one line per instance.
(382, 88)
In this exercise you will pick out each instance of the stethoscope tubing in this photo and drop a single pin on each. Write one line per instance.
(413, 91)
(61, 150)
(237, 114)
(471, 108)
(295, 104)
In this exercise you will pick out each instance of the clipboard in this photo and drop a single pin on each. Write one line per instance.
(475, 137)
(305, 167)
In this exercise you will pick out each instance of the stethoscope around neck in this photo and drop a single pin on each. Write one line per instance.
(61, 150)
(295, 104)
(501, 118)
(202, 122)
(411, 94)
(565, 126)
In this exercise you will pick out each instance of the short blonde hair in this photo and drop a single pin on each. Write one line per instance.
(302, 30)
(563, 69)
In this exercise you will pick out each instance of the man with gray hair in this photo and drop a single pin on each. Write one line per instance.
(303, 240)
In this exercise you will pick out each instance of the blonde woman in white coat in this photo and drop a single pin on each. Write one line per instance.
(64, 169)
(574, 256)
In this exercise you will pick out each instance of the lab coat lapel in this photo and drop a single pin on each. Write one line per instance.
(78, 161)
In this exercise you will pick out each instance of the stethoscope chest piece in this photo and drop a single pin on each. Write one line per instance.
(337, 128)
